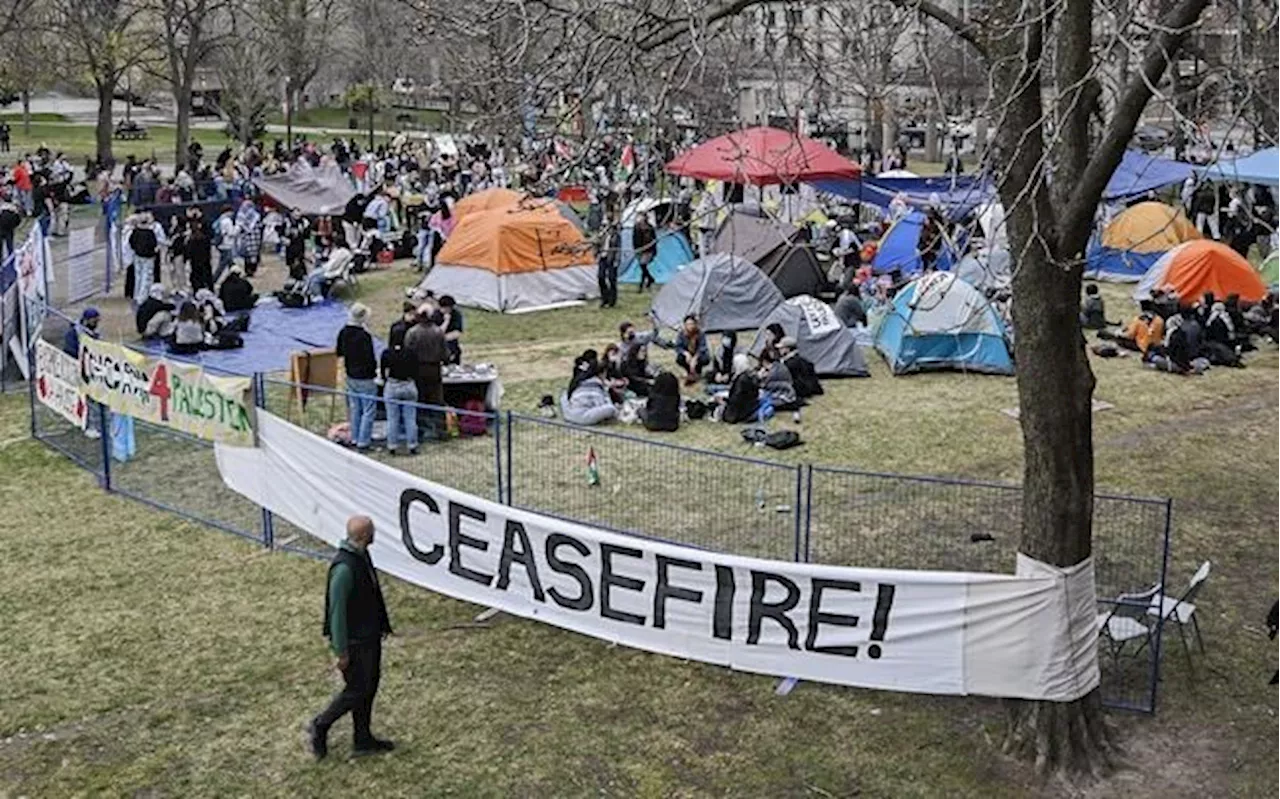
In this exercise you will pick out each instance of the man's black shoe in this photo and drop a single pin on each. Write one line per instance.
(373, 746)
(318, 740)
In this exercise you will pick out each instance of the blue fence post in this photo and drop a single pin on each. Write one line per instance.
(796, 511)
(511, 480)
(104, 418)
(260, 401)
(31, 384)
(1164, 574)
(808, 514)
(497, 453)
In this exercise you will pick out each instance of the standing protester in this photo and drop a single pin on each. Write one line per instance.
(608, 249)
(453, 328)
(5, 134)
(199, 255)
(249, 233)
(426, 341)
(399, 370)
(22, 182)
(225, 233)
(10, 218)
(355, 622)
(146, 249)
(355, 348)
(294, 231)
(645, 241)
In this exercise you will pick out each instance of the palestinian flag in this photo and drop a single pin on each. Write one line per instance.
(627, 163)
(593, 468)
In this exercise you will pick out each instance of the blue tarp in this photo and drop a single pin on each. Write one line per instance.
(274, 333)
(673, 253)
(1262, 167)
(1139, 173)
(899, 248)
(958, 197)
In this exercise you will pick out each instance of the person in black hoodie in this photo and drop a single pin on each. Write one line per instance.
(744, 393)
(10, 218)
(154, 318)
(661, 412)
(644, 240)
(803, 375)
(236, 291)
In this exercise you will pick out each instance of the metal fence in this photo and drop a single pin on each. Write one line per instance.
(638, 486)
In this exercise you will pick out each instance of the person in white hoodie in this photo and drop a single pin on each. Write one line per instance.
(225, 234)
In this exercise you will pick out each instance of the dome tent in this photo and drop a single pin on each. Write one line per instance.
(1197, 267)
(899, 248)
(1136, 239)
(820, 337)
(519, 256)
(775, 247)
(985, 269)
(673, 248)
(724, 291)
(941, 322)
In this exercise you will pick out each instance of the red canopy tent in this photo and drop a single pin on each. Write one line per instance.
(762, 157)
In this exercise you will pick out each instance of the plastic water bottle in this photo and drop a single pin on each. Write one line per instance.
(759, 499)
(795, 416)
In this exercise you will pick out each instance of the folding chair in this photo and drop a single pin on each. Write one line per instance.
(1127, 621)
(1183, 611)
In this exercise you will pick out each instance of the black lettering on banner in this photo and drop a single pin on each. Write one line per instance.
(663, 590)
(817, 617)
(407, 498)
(880, 619)
(608, 579)
(458, 539)
(586, 597)
(524, 556)
(761, 610)
(722, 621)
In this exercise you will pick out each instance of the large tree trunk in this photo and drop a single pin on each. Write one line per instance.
(1055, 384)
(182, 131)
(26, 112)
(103, 130)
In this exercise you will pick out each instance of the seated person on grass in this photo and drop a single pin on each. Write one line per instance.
(636, 370)
(188, 333)
(661, 413)
(587, 402)
(744, 393)
(775, 380)
(155, 315)
(1093, 311)
(236, 292)
(803, 374)
(722, 363)
(1220, 344)
(1143, 331)
(692, 353)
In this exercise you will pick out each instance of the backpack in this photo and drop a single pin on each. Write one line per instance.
(475, 423)
(783, 439)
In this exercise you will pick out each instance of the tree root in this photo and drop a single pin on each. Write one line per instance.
(1069, 740)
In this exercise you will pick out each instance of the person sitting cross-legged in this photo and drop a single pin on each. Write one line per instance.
(154, 318)
(692, 353)
(661, 412)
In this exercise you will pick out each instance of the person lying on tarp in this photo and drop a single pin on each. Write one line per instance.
(803, 374)
(155, 316)
(587, 401)
(237, 292)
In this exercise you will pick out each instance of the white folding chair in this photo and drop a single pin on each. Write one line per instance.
(1126, 621)
(1182, 611)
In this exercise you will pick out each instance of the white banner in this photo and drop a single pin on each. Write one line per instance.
(1031, 636)
(58, 384)
(819, 316)
(32, 263)
(82, 276)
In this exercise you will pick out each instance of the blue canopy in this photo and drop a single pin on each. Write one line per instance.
(1262, 167)
(957, 197)
(1139, 173)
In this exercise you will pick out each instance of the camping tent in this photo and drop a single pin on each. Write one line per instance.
(1261, 167)
(672, 255)
(941, 322)
(899, 247)
(315, 191)
(724, 291)
(820, 337)
(990, 216)
(762, 157)
(985, 269)
(776, 248)
(1139, 173)
(1136, 239)
(488, 200)
(1270, 269)
(519, 257)
(958, 197)
(1201, 266)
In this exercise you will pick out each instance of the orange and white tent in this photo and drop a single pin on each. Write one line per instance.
(510, 252)
(1198, 267)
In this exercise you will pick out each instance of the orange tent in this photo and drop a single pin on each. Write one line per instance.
(522, 255)
(1198, 267)
(486, 200)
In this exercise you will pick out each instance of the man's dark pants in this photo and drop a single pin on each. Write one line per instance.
(364, 670)
(608, 280)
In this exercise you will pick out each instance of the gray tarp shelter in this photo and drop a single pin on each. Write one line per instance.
(820, 337)
(724, 291)
(775, 247)
(315, 191)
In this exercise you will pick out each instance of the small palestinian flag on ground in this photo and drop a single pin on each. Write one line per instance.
(593, 468)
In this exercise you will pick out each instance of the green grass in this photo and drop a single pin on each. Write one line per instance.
(338, 119)
(48, 116)
(148, 655)
(79, 142)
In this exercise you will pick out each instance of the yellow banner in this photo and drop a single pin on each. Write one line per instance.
(167, 393)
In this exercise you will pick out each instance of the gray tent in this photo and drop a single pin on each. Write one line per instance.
(819, 335)
(725, 293)
(316, 191)
(774, 246)
(985, 269)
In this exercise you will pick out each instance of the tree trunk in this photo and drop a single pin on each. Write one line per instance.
(26, 112)
(1055, 385)
(103, 130)
(182, 131)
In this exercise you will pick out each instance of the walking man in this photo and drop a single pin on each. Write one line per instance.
(355, 621)
(607, 274)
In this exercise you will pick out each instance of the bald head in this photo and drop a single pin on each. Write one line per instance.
(360, 531)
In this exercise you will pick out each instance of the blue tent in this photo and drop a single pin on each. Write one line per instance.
(673, 253)
(957, 197)
(899, 248)
(1262, 167)
(1139, 173)
(941, 322)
